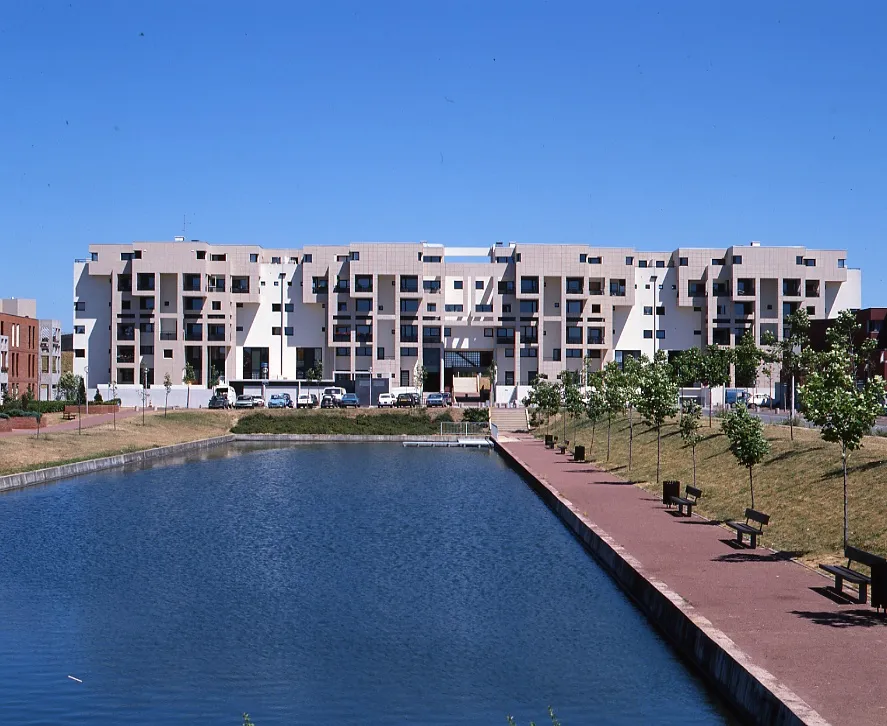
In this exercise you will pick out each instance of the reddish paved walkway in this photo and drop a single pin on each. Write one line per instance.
(94, 419)
(834, 656)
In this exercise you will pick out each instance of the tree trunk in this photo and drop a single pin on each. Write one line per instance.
(166, 404)
(694, 465)
(593, 426)
(609, 424)
(846, 502)
(791, 411)
(710, 405)
(658, 451)
(188, 400)
(630, 437)
(751, 485)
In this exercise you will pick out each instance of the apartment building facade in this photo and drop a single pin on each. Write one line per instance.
(392, 310)
(37, 355)
(21, 354)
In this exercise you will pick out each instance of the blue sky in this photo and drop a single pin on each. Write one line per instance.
(632, 123)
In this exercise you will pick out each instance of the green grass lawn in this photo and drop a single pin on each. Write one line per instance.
(798, 484)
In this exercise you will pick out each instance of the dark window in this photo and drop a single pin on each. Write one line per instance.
(431, 285)
(583, 257)
(683, 261)
(660, 263)
(80, 353)
(253, 257)
(217, 304)
(479, 284)
(167, 353)
(529, 307)
(660, 334)
(431, 307)
(409, 305)
(275, 260)
(529, 285)
(288, 307)
(642, 263)
(506, 287)
(574, 307)
(80, 306)
(483, 308)
(648, 309)
(594, 260)
(319, 286)
(737, 259)
(718, 261)
(453, 308)
(408, 352)
(457, 284)
(355, 255)
(629, 260)
(201, 254)
(488, 333)
(363, 305)
(308, 258)
(648, 334)
(218, 258)
(409, 283)
(842, 263)
(574, 352)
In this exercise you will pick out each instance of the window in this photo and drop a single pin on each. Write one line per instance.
(642, 263)
(146, 350)
(342, 307)
(594, 260)
(555, 354)
(125, 256)
(509, 352)
(218, 258)
(660, 310)
(617, 288)
(363, 283)
(409, 333)
(595, 308)
(574, 352)
(574, 285)
(343, 353)
(660, 334)
(529, 353)
(355, 255)
(275, 307)
(448, 332)
(124, 283)
(126, 304)
(529, 285)
(409, 305)
(363, 305)
(433, 258)
(431, 307)
(697, 332)
(683, 261)
(80, 329)
(146, 327)
(126, 376)
(217, 304)
(275, 331)
(363, 351)
(509, 378)
(648, 309)
(506, 308)
(583, 257)
(479, 285)
(503, 260)
(431, 285)
(629, 260)
(529, 307)
(483, 308)
(737, 259)
(574, 335)
(811, 310)
(809, 262)
(308, 258)
(696, 289)
(457, 284)
(660, 263)
(80, 306)
(718, 261)
(253, 257)
(842, 263)
(453, 308)
(574, 307)
(409, 352)
(275, 260)
(240, 285)
(80, 353)
(167, 353)
(431, 333)
(799, 260)
(506, 287)
(409, 283)
(648, 334)
(488, 332)
(319, 285)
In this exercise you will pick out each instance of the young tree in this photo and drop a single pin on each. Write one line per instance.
(167, 384)
(691, 422)
(68, 386)
(658, 399)
(574, 403)
(832, 399)
(632, 371)
(715, 371)
(81, 392)
(686, 366)
(792, 354)
(747, 443)
(315, 372)
(614, 396)
(189, 378)
(769, 358)
(97, 398)
(112, 394)
(595, 407)
(747, 358)
(214, 378)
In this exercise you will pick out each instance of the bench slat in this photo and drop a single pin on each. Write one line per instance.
(846, 573)
(743, 527)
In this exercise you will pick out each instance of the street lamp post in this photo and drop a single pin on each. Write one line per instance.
(86, 387)
(144, 391)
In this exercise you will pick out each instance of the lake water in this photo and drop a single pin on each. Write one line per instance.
(349, 584)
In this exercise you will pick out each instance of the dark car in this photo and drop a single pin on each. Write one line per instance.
(327, 402)
(218, 402)
(349, 400)
(406, 400)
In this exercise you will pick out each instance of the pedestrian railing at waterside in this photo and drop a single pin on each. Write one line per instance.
(464, 428)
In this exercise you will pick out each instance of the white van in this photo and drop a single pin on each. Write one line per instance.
(334, 392)
(227, 393)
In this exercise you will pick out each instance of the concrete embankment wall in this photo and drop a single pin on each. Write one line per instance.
(42, 476)
(341, 438)
(753, 692)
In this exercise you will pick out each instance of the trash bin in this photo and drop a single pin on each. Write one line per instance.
(578, 453)
(670, 489)
(549, 441)
(879, 585)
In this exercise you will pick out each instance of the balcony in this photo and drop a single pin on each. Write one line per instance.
(240, 285)
(190, 283)
(529, 286)
(617, 289)
(696, 289)
(219, 286)
(126, 357)
(574, 286)
(409, 338)
(215, 333)
(745, 288)
(168, 335)
(194, 333)
(595, 336)
(791, 288)
(363, 284)
(341, 337)
(145, 281)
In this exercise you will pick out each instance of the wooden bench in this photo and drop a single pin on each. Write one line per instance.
(69, 416)
(842, 573)
(563, 447)
(690, 500)
(753, 526)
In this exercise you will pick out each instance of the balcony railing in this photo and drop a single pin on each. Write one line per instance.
(409, 338)
(341, 337)
(166, 335)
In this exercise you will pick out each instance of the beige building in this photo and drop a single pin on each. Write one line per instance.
(389, 310)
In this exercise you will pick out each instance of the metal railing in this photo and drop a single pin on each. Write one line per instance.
(463, 428)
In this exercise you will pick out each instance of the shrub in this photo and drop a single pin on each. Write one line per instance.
(48, 406)
(18, 413)
(4, 417)
(318, 422)
(446, 417)
(476, 415)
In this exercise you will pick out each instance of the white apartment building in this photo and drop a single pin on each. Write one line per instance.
(50, 365)
(385, 311)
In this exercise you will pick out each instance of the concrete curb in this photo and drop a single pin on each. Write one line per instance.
(42, 476)
(754, 692)
(343, 438)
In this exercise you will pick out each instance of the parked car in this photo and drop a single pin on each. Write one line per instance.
(349, 400)
(435, 400)
(259, 401)
(218, 402)
(760, 400)
(278, 401)
(335, 392)
(406, 400)
(387, 400)
(448, 398)
(306, 400)
(245, 402)
(327, 402)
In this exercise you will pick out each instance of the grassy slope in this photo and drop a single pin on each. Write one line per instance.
(25, 453)
(375, 422)
(799, 483)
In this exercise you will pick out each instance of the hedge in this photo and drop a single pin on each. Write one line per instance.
(18, 413)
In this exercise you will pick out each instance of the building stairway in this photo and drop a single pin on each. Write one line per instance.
(509, 419)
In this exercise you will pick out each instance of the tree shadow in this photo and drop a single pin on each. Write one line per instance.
(709, 522)
(759, 555)
(790, 454)
(853, 469)
(844, 618)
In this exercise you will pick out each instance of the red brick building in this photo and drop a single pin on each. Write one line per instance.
(22, 357)
(874, 326)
